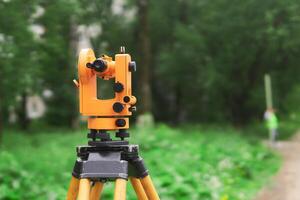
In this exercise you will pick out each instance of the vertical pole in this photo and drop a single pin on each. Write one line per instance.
(268, 90)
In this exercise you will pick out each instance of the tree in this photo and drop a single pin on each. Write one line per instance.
(197, 61)
(209, 67)
(144, 48)
(18, 55)
(58, 60)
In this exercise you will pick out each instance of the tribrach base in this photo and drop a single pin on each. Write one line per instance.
(110, 161)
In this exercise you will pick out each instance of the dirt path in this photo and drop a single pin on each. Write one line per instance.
(286, 184)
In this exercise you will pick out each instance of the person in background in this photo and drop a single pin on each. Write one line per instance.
(272, 124)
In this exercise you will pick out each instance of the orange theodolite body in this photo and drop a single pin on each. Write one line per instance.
(105, 114)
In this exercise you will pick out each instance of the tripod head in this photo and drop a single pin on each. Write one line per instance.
(106, 114)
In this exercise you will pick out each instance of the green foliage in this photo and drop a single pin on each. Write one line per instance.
(58, 59)
(286, 129)
(18, 50)
(193, 163)
(293, 106)
(211, 56)
(208, 58)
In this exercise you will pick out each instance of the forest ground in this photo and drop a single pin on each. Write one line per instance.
(285, 185)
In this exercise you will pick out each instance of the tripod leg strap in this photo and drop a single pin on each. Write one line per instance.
(138, 188)
(149, 188)
(73, 189)
(96, 191)
(120, 189)
(84, 189)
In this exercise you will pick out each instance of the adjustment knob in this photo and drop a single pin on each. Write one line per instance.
(118, 107)
(118, 87)
(132, 66)
(120, 122)
(122, 134)
(126, 99)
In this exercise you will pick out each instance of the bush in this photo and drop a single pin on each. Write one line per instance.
(193, 163)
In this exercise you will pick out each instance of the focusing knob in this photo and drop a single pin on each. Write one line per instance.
(118, 87)
(118, 107)
(132, 66)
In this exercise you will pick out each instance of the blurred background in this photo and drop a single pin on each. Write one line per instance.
(199, 84)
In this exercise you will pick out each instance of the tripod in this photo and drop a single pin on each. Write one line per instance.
(108, 160)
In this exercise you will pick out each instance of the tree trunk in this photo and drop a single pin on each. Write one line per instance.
(179, 106)
(74, 38)
(144, 50)
(24, 121)
(1, 122)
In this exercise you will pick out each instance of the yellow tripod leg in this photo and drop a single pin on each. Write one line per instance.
(96, 191)
(84, 189)
(149, 188)
(73, 189)
(120, 189)
(138, 188)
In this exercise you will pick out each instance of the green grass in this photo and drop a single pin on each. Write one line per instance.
(193, 163)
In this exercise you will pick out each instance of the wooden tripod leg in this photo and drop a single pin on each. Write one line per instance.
(84, 189)
(73, 189)
(138, 188)
(96, 191)
(149, 188)
(120, 189)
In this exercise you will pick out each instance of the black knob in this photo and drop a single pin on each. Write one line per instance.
(126, 99)
(122, 134)
(132, 66)
(89, 65)
(118, 107)
(98, 65)
(118, 87)
(120, 122)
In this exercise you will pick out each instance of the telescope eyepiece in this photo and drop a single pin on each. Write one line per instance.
(98, 65)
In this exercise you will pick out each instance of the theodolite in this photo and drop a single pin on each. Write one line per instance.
(105, 159)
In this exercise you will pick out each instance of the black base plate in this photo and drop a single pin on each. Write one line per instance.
(108, 143)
